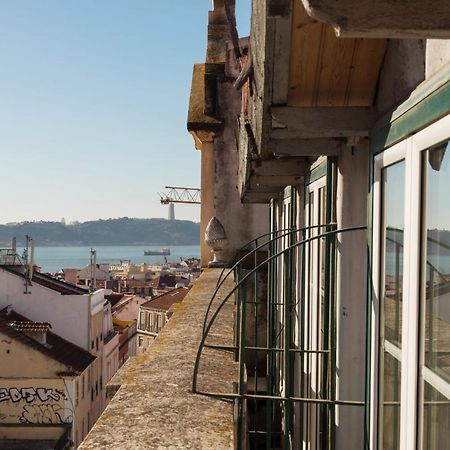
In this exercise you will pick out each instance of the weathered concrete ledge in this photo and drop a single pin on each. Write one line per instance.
(154, 407)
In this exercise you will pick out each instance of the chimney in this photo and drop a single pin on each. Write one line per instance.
(35, 330)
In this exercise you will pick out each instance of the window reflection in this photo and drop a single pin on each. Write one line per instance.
(393, 200)
(436, 294)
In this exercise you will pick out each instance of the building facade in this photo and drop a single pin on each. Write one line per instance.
(213, 108)
(154, 314)
(44, 394)
(76, 315)
(343, 132)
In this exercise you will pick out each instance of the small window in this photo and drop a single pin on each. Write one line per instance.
(158, 322)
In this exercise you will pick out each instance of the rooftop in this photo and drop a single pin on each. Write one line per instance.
(15, 326)
(29, 325)
(166, 300)
(49, 282)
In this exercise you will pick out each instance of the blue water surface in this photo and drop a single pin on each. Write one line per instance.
(52, 259)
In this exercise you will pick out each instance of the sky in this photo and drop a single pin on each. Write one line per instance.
(94, 98)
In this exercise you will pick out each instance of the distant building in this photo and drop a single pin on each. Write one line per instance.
(154, 314)
(70, 275)
(127, 330)
(45, 386)
(100, 273)
(125, 313)
(110, 353)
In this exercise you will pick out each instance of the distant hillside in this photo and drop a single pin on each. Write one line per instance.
(123, 231)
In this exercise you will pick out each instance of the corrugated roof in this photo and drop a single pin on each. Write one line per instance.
(57, 348)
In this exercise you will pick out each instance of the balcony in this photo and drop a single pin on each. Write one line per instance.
(153, 404)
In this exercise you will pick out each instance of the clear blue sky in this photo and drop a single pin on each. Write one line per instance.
(94, 97)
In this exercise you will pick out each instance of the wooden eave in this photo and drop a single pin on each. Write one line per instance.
(312, 92)
(327, 71)
(311, 84)
(383, 18)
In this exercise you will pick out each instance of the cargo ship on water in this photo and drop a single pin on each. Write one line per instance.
(165, 251)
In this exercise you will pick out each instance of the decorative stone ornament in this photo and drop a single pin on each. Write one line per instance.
(216, 238)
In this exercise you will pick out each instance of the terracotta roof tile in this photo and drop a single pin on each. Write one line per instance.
(166, 300)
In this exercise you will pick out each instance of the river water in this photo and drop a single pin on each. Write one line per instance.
(52, 259)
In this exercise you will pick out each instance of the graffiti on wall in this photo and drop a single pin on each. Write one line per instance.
(34, 405)
(30, 394)
(43, 413)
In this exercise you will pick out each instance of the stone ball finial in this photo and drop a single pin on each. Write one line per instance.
(216, 238)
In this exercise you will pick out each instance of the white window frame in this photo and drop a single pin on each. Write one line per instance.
(311, 294)
(410, 150)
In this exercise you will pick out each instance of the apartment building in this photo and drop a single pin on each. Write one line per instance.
(75, 314)
(44, 386)
(154, 314)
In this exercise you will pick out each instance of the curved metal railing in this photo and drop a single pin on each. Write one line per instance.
(265, 382)
(276, 393)
(241, 283)
(286, 233)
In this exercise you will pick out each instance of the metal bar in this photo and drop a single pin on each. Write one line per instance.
(281, 349)
(332, 345)
(255, 332)
(331, 328)
(237, 336)
(302, 295)
(283, 399)
(243, 258)
(270, 330)
(265, 349)
(222, 347)
(244, 279)
(287, 335)
(241, 386)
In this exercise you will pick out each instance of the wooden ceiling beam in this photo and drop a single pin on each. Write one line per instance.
(306, 147)
(383, 18)
(321, 122)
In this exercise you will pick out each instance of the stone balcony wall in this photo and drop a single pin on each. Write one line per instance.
(154, 407)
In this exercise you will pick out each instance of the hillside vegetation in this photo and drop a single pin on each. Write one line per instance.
(123, 231)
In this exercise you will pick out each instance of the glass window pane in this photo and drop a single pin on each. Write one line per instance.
(436, 419)
(436, 296)
(393, 222)
(391, 402)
